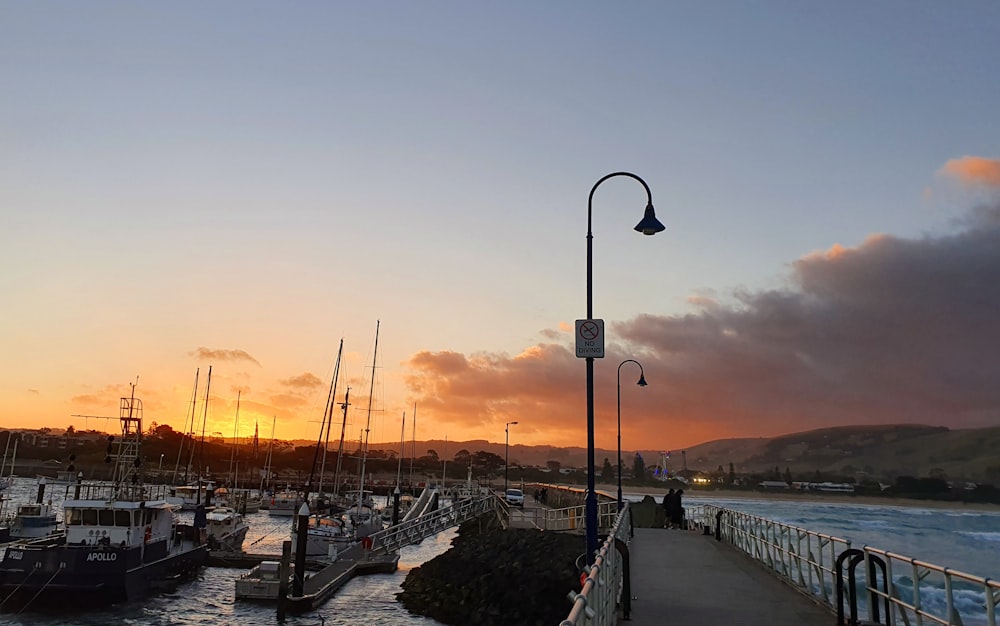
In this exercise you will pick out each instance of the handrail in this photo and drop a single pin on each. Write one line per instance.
(597, 602)
(916, 593)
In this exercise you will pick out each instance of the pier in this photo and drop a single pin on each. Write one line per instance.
(685, 578)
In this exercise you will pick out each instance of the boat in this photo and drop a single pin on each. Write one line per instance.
(226, 529)
(243, 500)
(188, 497)
(285, 502)
(34, 520)
(121, 538)
(261, 582)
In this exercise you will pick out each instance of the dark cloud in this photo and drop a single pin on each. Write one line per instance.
(891, 331)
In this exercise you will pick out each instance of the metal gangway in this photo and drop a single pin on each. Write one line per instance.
(431, 523)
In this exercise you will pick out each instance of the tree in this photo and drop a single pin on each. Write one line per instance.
(434, 455)
(487, 462)
(463, 457)
(638, 468)
(554, 466)
(732, 474)
(788, 475)
(608, 472)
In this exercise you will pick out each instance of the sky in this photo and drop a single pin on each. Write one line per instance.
(242, 185)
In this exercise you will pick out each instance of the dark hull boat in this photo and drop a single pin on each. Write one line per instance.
(120, 541)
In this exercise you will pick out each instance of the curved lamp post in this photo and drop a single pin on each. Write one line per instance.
(506, 455)
(642, 383)
(649, 225)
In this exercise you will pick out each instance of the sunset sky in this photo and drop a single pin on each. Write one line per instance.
(243, 184)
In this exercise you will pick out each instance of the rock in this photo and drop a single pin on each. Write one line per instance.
(493, 576)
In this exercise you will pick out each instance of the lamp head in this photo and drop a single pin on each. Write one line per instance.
(649, 225)
(642, 380)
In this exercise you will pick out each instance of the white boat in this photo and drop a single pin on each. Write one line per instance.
(243, 500)
(189, 496)
(226, 529)
(34, 520)
(285, 502)
(261, 582)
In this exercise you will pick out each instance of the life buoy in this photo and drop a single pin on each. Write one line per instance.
(148, 535)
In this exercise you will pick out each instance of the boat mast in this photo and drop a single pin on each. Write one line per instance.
(324, 441)
(233, 480)
(402, 436)
(194, 402)
(267, 461)
(368, 422)
(413, 448)
(340, 450)
(201, 446)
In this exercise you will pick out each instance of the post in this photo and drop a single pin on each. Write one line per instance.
(286, 557)
(41, 491)
(649, 225)
(641, 383)
(395, 506)
(301, 538)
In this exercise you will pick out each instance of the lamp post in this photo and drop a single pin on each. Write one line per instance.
(649, 225)
(506, 455)
(641, 383)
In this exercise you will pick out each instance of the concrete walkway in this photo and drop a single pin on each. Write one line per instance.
(685, 578)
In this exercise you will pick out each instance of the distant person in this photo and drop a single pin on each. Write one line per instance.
(677, 511)
(668, 502)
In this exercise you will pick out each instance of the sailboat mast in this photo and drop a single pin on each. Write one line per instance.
(266, 477)
(402, 435)
(413, 448)
(368, 422)
(201, 446)
(232, 457)
(340, 450)
(194, 402)
(324, 437)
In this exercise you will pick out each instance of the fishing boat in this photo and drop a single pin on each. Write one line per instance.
(226, 529)
(120, 539)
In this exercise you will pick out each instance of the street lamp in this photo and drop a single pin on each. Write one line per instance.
(506, 455)
(641, 383)
(649, 225)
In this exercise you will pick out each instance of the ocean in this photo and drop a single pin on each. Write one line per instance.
(963, 539)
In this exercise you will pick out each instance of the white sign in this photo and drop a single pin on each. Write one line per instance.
(590, 339)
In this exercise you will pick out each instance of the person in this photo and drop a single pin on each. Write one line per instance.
(677, 510)
(668, 502)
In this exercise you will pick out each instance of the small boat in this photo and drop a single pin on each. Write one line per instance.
(261, 582)
(34, 520)
(226, 529)
(285, 502)
(120, 539)
(190, 496)
(243, 500)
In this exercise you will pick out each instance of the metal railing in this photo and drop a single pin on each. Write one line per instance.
(891, 588)
(412, 531)
(598, 600)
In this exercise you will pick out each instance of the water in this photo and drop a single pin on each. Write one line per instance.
(963, 539)
(210, 597)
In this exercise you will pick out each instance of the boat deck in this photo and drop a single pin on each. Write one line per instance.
(687, 578)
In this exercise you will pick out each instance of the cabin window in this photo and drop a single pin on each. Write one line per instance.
(147, 517)
(107, 517)
(122, 518)
(72, 517)
(89, 517)
(136, 518)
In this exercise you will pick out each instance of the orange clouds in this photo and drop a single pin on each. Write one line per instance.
(974, 170)
(208, 354)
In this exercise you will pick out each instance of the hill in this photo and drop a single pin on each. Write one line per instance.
(879, 452)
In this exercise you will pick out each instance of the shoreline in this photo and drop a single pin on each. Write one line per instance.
(829, 498)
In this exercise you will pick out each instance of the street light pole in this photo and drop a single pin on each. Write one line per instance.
(641, 383)
(649, 225)
(506, 454)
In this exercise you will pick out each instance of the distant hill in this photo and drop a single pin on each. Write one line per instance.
(879, 452)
